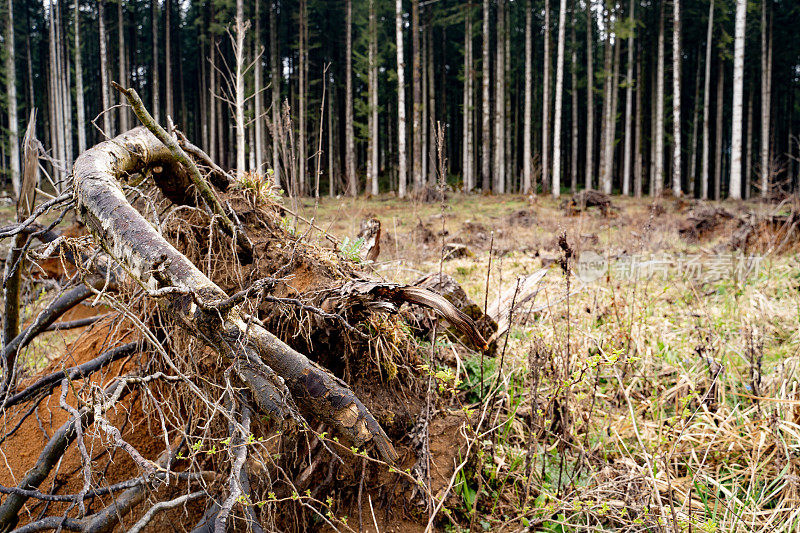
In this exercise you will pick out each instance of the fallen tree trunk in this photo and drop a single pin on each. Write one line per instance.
(276, 374)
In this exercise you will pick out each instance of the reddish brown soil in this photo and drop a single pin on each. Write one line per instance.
(21, 450)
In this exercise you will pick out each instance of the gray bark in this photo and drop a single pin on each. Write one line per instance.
(589, 98)
(416, 109)
(402, 173)
(748, 166)
(546, 99)
(766, 78)
(239, 96)
(659, 133)
(676, 98)
(302, 145)
(500, 106)
(372, 149)
(562, 16)
(275, 77)
(81, 111)
(156, 110)
(527, 123)
(706, 105)
(258, 95)
(469, 80)
(574, 71)
(718, 154)
(124, 123)
(628, 149)
(735, 183)
(170, 105)
(11, 87)
(486, 132)
(350, 149)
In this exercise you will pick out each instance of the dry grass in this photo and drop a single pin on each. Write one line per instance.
(673, 404)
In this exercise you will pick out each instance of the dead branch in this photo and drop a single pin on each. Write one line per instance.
(86, 463)
(238, 452)
(78, 323)
(58, 307)
(180, 156)
(13, 229)
(135, 482)
(47, 383)
(163, 506)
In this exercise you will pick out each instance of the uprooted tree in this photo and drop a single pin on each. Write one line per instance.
(212, 300)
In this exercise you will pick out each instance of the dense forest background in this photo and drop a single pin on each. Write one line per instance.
(337, 97)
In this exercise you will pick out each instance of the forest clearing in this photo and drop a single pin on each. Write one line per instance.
(408, 266)
(632, 398)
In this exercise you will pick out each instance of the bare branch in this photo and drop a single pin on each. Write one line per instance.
(163, 506)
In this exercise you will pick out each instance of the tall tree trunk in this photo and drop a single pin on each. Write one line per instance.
(574, 71)
(239, 97)
(168, 58)
(331, 168)
(527, 125)
(416, 117)
(372, 150)
(275, 77)
(124, 124)
(695, 128)
(735, 183)
(258, 81)
(637, 148)
(350, 150)
(748, 166)
(508, 154)
(52, 108)
(11, 84)
(81, 111)
(718, 155)
(30, 96)
(546, 100)
(202, 105)
(402, 176)
(562, 17)
(652, 158)
(64, 79)
(105, 87)
(676, 97)
(626, 157)
(213, 127)
(766, 75)
(500, 105)
(302, 89)
(659, 134)
(154, 8)
(56, 109)
(468, 174)
(426, 150)
(431, 99)
(707, 105)
(486, 132)
(611, 125)
(608, 68)
(589, 97)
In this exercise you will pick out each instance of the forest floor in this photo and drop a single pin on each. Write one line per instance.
(660, 387)
(682, 369)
